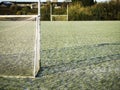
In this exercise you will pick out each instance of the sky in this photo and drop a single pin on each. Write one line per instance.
(45, 0)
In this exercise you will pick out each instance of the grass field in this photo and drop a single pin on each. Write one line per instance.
(75, 56)
(17, 41)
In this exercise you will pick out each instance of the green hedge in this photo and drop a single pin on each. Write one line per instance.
(45, 12)
(77, 11)
(59, 18)
(100, 11)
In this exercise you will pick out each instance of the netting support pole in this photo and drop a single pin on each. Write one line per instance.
(38, 35)
(38, 32)
(39, 8)
(37, 42)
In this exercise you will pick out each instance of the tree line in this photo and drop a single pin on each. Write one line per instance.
(77, 10)
(97, 11)
(17, 10)
(81, 10)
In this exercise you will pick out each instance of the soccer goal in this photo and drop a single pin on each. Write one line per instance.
(20, 44)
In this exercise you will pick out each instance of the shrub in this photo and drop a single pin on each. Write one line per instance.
(45, 12)
(78, 12)
(59, 11)
(100, 11)
(59, 18)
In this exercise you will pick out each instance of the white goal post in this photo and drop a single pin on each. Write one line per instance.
(37, 42)
(36, 60)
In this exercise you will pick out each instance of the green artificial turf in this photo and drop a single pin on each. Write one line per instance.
(75, 56)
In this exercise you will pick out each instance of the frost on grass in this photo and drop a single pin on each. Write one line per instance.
(17, 48)
(91, 60)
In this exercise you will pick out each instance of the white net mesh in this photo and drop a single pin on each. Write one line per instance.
(19, 46)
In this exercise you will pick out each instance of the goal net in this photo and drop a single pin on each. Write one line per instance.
(19, 45)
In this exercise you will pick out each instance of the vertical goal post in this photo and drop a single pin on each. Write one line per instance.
(37, 41)
(36, 47)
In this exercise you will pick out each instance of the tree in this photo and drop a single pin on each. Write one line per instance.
(25, 10)
(85, 2)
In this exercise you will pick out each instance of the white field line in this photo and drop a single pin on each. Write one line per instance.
(17, 76)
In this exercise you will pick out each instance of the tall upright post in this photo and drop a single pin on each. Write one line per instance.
(37, 42)
(39, 8)
(38, 20)
(39, 27)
